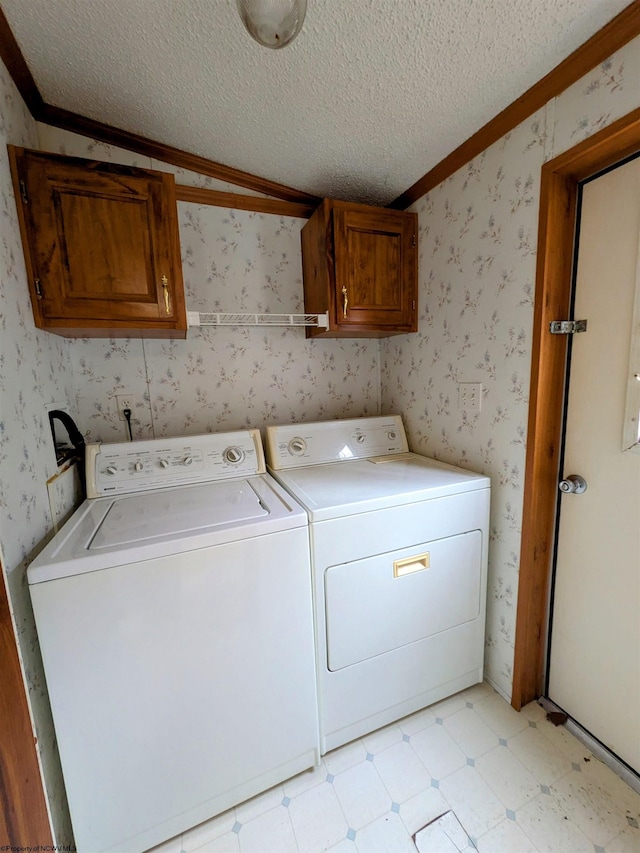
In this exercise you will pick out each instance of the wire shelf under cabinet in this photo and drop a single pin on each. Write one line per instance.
(200, 318)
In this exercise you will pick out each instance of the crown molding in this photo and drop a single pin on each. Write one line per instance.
(12, 56)
(66, 120)
(614, 35)
(274, 206)
(17, 67)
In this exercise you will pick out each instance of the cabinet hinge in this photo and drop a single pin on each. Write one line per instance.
(413, 240)
(567, 327)
(23, 191)
(38, 287)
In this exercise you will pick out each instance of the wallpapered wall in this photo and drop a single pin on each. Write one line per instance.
(35, 370)
(222, 378)
(477, 250)
(478, 235)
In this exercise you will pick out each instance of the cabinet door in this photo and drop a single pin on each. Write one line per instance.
(103, 246)
(375, 269)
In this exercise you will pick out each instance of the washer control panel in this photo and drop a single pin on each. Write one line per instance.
(142, 465)
(294, 445)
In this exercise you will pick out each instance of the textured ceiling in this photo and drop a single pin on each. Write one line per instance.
(369, 97)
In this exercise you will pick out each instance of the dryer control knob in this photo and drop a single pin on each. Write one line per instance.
(233, 455)
(360, 438)
(188, 460)
(297, 446)
(111, 469)
(163, 463)
(138, 466)
(391, 435)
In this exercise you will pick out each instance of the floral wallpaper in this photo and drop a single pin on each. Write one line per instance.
(477, 250)
(222, 378)
(477, 271)
(601, 97)
(35, 372)
(478, 233)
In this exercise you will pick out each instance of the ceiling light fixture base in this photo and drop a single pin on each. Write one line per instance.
(272, 23)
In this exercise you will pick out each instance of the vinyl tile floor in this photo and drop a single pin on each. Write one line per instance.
(467, 773)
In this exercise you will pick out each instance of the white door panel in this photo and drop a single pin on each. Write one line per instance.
(595, 637)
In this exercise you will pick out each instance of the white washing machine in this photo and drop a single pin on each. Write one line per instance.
(174, 613)
(399, 562)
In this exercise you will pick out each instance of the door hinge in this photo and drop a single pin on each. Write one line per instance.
(23, 191)
(567, 327)
(413, 240)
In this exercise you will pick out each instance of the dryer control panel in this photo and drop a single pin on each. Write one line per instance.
(294, 445)
(138, 466)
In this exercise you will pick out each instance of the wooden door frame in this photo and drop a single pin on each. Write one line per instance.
(561, 178)
(24, 820)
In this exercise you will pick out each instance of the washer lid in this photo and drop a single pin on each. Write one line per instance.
(363, 485)
(139, 518)
(106, 532)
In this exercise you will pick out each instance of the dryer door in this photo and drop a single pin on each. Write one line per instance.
(387, 601)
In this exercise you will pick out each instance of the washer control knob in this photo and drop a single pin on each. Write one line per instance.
(188, 460)
(138, 466)
(233, 455)
(163, 463)
(360, 438)
(111, 469)
(297, 446)
(391, 435)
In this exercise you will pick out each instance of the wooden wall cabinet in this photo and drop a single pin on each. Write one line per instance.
(360, 264)
(101, 245)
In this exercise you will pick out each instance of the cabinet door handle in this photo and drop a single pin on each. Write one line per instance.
(345, 301)
(165, 288)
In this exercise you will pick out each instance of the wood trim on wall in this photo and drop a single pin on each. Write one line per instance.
(12, 56)
(560, 183)
(618, 32)
(76, 123)
(199, 195)
(614, 35)
(24, 821)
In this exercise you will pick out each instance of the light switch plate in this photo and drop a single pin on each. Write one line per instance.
(470, 396)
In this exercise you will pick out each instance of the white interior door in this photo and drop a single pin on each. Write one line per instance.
(594, 673)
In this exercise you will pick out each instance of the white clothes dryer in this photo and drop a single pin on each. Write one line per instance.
(174, 613)
(399, 563)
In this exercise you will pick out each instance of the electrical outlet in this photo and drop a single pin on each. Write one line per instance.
(128, 401)
(470, 396)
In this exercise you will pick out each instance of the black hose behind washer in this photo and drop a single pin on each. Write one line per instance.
(75, 437)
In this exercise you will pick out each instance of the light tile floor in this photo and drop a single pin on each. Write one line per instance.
(482, 775)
